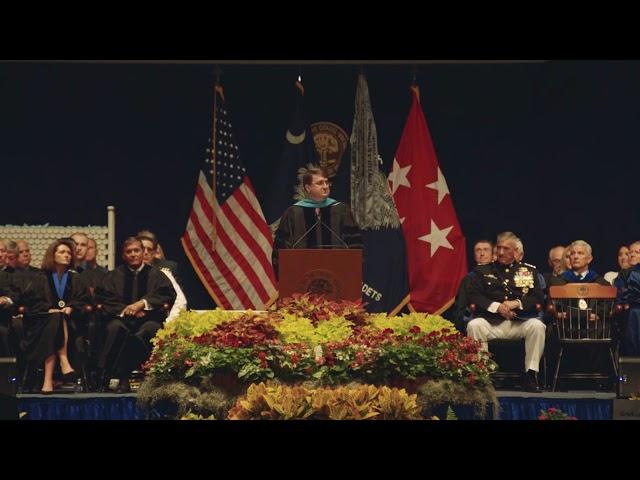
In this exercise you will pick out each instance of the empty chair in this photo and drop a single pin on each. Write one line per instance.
(585, 316)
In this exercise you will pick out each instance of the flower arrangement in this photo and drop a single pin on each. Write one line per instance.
(257, 346)
(358, 402)
(311, 339)
(553, 413)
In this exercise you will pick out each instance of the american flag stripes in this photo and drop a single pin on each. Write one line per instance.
(227, 238)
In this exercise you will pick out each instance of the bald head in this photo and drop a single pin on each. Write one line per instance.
(556, 260)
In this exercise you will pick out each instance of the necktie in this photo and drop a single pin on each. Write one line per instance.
(134, 289)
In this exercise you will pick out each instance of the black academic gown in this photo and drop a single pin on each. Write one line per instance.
(8, 288)
(128, 338)
(116, 291)
(44, 333)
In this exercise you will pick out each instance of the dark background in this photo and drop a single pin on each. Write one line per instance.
(547, 150)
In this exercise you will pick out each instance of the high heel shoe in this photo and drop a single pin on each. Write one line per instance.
(70, 377)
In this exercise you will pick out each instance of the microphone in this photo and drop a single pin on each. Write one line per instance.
(316, 223)
(309, 229)
(330, 229)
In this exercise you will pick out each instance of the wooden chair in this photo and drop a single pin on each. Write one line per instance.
(585, 314)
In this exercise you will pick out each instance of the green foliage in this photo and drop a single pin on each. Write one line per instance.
(438, 392)
(451, 415)
(192, 323)
(295, 329)
(402, 324)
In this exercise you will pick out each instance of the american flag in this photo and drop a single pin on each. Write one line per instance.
(227, 238)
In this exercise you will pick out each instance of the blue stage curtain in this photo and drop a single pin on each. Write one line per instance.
(60, 408)
(528, 408)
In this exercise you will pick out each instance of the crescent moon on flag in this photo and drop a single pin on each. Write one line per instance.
(295, 139)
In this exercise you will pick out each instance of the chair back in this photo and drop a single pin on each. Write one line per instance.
(584, 312)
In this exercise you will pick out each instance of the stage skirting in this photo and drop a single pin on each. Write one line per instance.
(513, 406)
(80, 406)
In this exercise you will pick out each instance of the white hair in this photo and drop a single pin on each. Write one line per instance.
(581, 243)
(517, 243)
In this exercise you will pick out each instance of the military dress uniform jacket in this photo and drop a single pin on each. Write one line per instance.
(496, 283)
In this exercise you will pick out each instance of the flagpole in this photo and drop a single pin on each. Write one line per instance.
(414, 82)
(217, 90)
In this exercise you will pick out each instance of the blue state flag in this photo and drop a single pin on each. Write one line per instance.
(299, 151)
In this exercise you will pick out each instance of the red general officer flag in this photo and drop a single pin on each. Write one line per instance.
(436, 253)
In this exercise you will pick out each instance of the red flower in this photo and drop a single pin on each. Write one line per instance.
(415, 329)
(330, 359)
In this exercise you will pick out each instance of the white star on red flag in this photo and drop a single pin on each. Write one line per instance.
(398, 176)
(437, 238)
(440, 186)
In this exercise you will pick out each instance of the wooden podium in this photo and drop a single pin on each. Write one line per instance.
(334, 273)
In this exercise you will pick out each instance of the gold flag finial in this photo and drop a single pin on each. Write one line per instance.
(415, 89)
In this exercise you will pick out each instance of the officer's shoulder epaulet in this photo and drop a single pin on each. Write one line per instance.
(529, 265)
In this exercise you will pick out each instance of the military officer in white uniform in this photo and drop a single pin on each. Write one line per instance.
(507, 295)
